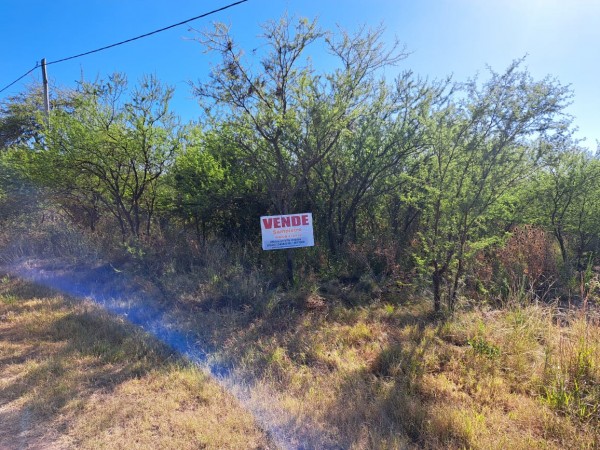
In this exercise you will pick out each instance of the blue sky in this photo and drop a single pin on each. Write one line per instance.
(459, 37)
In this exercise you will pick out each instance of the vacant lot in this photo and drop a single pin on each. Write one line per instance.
(322, 374)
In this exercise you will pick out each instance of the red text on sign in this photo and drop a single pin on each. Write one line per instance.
(284, 222)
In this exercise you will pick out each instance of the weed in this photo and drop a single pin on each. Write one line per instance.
(9, 299)
(484, 348)
(357, 334)
(572, 383)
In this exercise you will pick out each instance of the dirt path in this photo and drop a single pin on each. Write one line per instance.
(17, 431)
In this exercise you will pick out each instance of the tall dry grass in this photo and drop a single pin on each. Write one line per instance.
(391, 374)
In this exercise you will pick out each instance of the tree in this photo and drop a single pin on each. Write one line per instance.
(17, 196)
(20, 119)
(21, 129)
(213, 188)
(110, 152)
(481, 148)
(568, 192)
(371, 159)
(287, 118)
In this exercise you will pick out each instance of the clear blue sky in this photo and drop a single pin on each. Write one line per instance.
(459, 37)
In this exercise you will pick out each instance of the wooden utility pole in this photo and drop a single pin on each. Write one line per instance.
(46, 93)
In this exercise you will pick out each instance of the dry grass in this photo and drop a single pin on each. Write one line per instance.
(392, 375)
(326, 370)
(72, 376)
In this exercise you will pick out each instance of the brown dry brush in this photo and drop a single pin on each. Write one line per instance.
(524, 268)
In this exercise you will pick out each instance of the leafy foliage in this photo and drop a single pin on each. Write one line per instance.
(411, 181)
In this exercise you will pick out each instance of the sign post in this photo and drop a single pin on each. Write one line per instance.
(287, 231)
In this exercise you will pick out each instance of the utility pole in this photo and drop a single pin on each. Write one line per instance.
(46, 93)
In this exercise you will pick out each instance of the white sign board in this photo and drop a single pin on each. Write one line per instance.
(288, 231)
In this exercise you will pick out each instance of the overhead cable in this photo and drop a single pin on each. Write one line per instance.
(20, 78)
(127, 40)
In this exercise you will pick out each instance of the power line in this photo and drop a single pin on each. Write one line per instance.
(127, 41)
(20, 78)
(148, 34)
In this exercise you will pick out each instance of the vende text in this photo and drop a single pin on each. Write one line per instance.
(286, 221)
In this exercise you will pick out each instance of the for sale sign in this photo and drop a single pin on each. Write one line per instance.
(287, 231)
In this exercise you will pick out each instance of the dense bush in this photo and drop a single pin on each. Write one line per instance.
(408, 180)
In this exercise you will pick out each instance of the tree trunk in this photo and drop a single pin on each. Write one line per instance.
(197, 228)
(452, 296)
(436, 279)
(459, 273)
(332, 238)
(561, 242)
